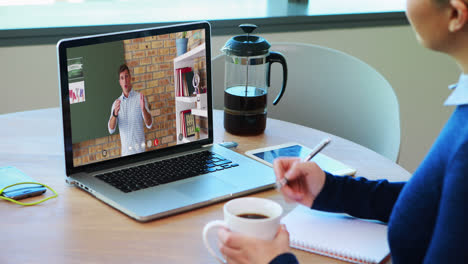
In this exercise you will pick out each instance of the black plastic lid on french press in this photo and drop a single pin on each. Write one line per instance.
(246, 45)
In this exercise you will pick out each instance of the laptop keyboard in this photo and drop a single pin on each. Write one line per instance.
(165, 171)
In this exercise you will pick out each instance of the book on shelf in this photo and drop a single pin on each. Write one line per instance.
(189, 81)
(182, 121)
(184, 85)
(337, 235)
(187, 123)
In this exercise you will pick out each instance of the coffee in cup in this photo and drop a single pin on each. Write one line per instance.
(250, 216)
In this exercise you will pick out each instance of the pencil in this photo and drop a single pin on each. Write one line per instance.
(315, 151)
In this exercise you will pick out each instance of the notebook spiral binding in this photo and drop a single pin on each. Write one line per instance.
(328, 252)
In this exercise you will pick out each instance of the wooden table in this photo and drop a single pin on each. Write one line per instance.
(77, 228)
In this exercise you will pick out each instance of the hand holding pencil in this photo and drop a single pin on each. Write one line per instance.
(300, 181)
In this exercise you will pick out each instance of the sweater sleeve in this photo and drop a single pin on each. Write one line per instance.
(286, 258)
(450, 236)
(358, 197)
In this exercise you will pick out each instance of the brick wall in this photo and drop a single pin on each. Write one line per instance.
(150, 60)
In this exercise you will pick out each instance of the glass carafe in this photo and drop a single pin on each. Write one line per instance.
(247, 79)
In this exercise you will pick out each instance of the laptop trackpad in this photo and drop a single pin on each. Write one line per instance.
(205, 187)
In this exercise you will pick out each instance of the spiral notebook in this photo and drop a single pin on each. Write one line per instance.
(337, 235)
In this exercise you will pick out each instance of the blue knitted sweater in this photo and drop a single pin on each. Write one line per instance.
(427, 216)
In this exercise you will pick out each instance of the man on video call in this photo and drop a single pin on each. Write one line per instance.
(131, 112)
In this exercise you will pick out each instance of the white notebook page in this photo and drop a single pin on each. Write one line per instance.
(337, 235)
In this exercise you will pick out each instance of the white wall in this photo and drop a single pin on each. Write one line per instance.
(419, 77)
(28, 78)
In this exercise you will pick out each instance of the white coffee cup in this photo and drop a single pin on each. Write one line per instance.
(238, 215)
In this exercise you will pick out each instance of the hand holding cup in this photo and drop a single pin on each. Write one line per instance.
(254, 217)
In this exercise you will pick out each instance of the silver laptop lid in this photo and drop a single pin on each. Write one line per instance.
(135, 95)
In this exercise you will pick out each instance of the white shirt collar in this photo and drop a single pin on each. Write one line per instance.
(459, 95)
(130, 94)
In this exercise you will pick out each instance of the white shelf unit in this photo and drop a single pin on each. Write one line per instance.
(184, 102)
(187, 59)
(186, 99)
(200, 112)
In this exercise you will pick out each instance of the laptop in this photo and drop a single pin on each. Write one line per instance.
(138, 123)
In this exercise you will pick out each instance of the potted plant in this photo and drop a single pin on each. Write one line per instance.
(197, 133)
(181, 44)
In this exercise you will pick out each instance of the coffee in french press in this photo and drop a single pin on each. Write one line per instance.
(247, 79)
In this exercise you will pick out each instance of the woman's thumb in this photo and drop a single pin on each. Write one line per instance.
(283, 234)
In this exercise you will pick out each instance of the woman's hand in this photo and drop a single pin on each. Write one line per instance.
(305, 179)
(242, 249)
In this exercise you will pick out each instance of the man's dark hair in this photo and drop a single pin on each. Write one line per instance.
(123, 68)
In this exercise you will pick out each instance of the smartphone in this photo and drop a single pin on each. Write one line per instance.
(268, 154)
(11, 175)
(24, 192)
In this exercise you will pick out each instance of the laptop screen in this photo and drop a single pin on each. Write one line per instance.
(134, 92)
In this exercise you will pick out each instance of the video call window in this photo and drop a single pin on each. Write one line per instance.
(137, 95)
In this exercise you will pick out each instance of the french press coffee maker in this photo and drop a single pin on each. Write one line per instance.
(247, 79)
